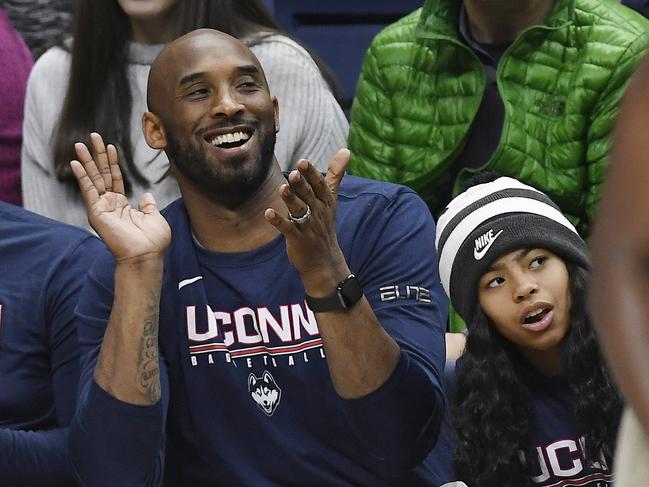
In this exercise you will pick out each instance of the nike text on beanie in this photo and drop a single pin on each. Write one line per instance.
(490, 220)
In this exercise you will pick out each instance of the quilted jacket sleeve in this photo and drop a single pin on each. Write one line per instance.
(371, 128)
(602, 122)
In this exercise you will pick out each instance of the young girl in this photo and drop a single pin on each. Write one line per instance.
(534, 403)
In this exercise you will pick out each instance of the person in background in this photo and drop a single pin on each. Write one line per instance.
(98, 79)
(241, 349)
(43, 264)
(620, 300)
(42, 23)
(16, 62)
(526, 88)
(531, 384)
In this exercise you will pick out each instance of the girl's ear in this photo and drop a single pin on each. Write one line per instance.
(154, 132)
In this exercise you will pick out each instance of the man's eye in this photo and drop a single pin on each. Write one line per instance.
(249, 85)
(198, 92)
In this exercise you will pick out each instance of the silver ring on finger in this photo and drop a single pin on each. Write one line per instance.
(302, 219)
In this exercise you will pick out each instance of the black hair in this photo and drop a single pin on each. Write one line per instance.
(99, 95)
(479, 178)
(492, 406)
(237, 18)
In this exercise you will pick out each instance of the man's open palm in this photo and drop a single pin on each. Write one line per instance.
(129, 233)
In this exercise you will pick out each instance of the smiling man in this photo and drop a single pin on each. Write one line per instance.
(265, 329)
(242, 139)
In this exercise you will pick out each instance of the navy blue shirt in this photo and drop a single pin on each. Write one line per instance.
(247, 395)
(560, 449)
(42, 268)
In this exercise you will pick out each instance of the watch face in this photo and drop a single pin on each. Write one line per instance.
(350, 291)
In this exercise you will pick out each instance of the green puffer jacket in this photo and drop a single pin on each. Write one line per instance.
(560, 82)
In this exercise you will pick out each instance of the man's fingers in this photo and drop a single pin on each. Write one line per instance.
(100, 157)
(88, 190)
(300, 187)
(336, 171)
(89, 165)
(314, 178)
(115, 171)
(295, 205)
(279, 222)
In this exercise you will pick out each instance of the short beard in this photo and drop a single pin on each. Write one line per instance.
(229, 188)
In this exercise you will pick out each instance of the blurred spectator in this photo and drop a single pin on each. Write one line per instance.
(43, 264)
(115, 42)
(525, 88)
(621, 280)
(42, 23)
(16, 61)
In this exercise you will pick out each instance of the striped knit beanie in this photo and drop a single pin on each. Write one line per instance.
(490, 220)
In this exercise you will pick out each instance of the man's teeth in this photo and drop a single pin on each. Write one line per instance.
(229, 138)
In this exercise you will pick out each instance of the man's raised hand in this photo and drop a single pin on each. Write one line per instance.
(311, 240)
(130, 234)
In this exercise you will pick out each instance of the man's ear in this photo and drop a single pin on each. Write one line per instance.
(276, 110)
(154, 132)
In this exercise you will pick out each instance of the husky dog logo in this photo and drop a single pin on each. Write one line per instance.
(483, 243)
(265, 392)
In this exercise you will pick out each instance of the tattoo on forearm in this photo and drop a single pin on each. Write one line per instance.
(148, 362)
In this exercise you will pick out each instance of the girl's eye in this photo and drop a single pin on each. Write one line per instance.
(538, 261)
(495, 282)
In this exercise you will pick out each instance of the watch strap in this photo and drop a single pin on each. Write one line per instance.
(328, 303)
(347, 293)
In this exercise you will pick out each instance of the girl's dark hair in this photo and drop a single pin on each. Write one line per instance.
(237, 18)
(99, 95)
(492, 407)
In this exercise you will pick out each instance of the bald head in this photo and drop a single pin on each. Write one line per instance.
(211, 112)
(188, 57)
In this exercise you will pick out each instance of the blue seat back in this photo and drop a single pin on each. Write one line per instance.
(340, 31)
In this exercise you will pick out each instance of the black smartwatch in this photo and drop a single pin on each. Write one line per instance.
(348, 292)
